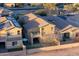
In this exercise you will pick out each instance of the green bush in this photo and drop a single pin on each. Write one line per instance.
(33, 46)
(41, 12)
(15, 49)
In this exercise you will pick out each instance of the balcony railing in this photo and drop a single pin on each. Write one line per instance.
(35, 34)
(14, 37)
(2, 38)
(10, 38)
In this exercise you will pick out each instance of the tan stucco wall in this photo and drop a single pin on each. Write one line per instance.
(14, 31)
(68, 7)
(72, 32)
(18, 38)
(9, 44)
(3, 32)
(48, 29)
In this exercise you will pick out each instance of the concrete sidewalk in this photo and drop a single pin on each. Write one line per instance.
(63, 52)
(51, 48)
(15, 53)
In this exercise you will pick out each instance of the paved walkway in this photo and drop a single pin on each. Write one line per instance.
(64, 52)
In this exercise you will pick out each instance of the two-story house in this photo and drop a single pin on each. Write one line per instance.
(61, 28)
(38, 30)
(10, 33)
(67, 27)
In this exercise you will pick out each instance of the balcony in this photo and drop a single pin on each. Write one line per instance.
(14, 37)
(35, 34)
(3, 38)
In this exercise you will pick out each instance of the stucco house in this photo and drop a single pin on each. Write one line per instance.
(67, 27)
(39, 31)
(9, 5)
(10, 33)
(64, 28)
(71, 31)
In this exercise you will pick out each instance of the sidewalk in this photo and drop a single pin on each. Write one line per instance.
(52, 48)
(15, 53)
(63, 52)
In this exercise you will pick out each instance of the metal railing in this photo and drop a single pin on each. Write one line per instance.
(3, 38)
(10, 38)
(14, 37)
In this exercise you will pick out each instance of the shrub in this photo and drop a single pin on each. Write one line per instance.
(33, 46)
(15, 49)
(41, 12)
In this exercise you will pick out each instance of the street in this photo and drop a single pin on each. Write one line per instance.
(63, 52)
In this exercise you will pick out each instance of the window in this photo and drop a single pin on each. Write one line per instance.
(42, 28)
(18, 32)
(66, 36)
(14, 43)
(8, 34)
(51, 28)
(77, 34)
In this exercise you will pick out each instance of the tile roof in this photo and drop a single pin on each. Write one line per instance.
(63, 21)
(60, 21)
(8, 23)
(13, 21)
(38, 22)
(1, 26)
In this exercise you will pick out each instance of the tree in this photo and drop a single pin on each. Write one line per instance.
(75, 6)
(41, 12)
(19, 4)
(49, 7)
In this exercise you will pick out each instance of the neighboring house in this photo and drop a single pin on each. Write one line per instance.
(39, 31)
(9, 5)
(71, 31)
(69, 6)
(5, 12)
(10, 33)
(67, 26)
(27, 17)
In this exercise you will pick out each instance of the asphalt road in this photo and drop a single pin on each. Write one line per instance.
(63, 52)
